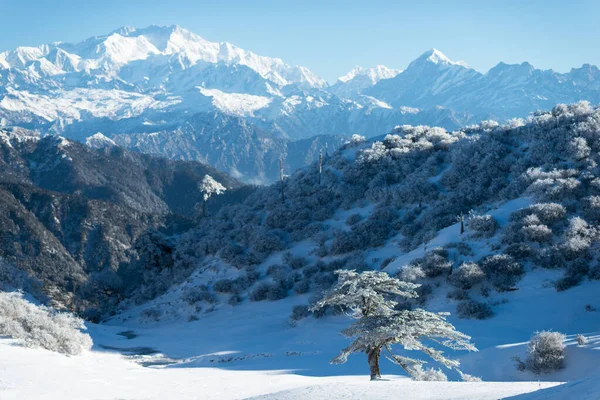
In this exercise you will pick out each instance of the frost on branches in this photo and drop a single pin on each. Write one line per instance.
(208, 187)
(371, 298)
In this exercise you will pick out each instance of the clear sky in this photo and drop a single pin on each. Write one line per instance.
(330, 36)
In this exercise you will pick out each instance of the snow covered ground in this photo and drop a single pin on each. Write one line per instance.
(251, 350)
(36, 374)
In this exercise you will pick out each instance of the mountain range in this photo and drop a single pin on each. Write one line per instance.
(167, 91)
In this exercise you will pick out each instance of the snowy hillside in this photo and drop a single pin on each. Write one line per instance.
(497, 224)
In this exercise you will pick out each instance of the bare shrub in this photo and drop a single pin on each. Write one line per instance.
(353, 219)
(299, 312)
(471, 309)
(503, 271)
(268, 291)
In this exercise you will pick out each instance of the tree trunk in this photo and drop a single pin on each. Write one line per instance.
(373, 358)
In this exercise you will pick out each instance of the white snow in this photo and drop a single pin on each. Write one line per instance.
(374, 74)
(105, 55)
(238, 104)
(71, 104)
(437, 57)
(585, 389)
(39, 374)
(98, 141)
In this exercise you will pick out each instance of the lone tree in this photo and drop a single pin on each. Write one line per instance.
(208, 187)
(370, 296)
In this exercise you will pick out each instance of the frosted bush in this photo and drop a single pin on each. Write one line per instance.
(545, 352)
(579, 148)
(435, 263)
(356, 138)
(536, 233)
(581, 340)
(591, 206)
(550, 257)
(411, 273)
(519, 251)
(482, 225)
(548, 212)
(467, 275)
(579, 238)
(40, 326)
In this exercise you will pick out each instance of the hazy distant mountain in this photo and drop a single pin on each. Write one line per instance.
(231, 144)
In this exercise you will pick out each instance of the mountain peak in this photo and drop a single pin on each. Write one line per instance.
(435, 56)
(124, 31)
(375, 74)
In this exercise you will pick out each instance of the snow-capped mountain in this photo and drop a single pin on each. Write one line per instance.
(151, 57)
(359, 79)
(155, 80)
(505, 91)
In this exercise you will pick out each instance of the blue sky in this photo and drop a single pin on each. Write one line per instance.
(330, 36)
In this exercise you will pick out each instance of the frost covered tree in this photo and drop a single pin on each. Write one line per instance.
(208, 187)
(370, 297)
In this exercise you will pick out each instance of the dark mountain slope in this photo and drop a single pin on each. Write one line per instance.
(68, 211)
